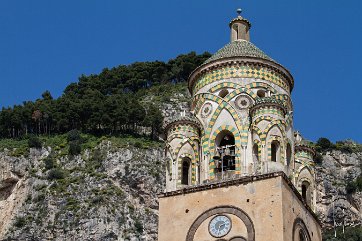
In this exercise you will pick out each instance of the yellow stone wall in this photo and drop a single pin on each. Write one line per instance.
(270, 204)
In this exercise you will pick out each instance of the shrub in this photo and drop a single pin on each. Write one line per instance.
(73, 135)
(138, 144)
(351, 187)
(49, 163)
(20, 222)
(75, 148)
(139, 227)
(318, 158)
(355, 185)
(56, 173)
(323, 144)
(34, 142)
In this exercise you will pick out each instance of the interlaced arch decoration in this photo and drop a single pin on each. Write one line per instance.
(168, 148)
(279, 123)
(262, 85)
(311, 183)
(194, 161)
(263, 134)
(180, 136)
(240, 91)
(222, 85)
(222, 104)
(223, 210)
(305, 165)
(299, 171)
(179, 168)
(257, 131)
(281, 146)
(236, 135)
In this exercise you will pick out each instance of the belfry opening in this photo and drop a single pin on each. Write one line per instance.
(225, 152)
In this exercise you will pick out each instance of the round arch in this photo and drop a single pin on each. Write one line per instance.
(222, 210)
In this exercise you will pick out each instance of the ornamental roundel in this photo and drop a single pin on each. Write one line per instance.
(243, 102)
(206, 110)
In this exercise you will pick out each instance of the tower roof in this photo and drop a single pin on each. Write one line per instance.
(239, 48)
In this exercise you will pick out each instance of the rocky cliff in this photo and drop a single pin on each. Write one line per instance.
(104, 194)
(110, 193)
(334, 203)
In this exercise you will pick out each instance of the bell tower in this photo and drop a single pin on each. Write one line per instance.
(236, 169)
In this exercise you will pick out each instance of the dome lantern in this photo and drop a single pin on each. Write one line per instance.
(240, 27)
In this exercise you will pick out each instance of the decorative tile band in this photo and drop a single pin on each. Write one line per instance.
(304, 154)
(269, 111)
(241, 71)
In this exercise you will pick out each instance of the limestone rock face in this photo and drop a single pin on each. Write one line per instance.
(110, 193)
(177, 105)
(107, 194)
(333, 202)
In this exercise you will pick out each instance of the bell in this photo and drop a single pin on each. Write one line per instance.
(216, 157)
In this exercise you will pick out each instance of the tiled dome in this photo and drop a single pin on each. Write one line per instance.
(239, 48)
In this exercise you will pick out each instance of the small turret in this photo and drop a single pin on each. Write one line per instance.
(240, 27)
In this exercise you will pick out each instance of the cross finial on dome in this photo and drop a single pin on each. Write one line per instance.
(238, 11)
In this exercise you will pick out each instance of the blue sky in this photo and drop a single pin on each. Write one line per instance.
(45, 45)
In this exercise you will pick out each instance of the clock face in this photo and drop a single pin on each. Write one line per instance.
(219, 226)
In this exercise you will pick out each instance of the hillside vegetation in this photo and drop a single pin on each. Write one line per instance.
(112, 102)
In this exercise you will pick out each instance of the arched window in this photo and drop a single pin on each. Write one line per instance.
(260, 93)
(306, 192)
(185, 178)
(255, 153)
(275, 146)
(289, 154)
(223, 93)
(300, 231)
(225, 148)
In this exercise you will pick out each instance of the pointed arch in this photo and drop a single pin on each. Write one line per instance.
(260, 84)
(281, 148)
(237, 137)
(180, 166)
(257, 131)
(222, 104)
(171, 151)
(194, 160)
(180, 136)
(240, 91)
